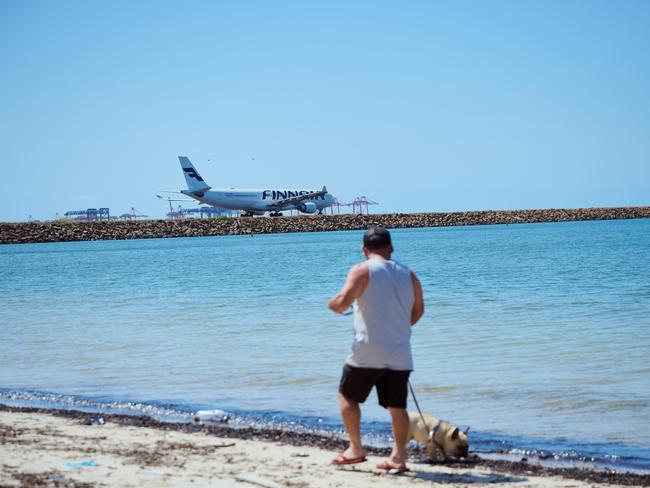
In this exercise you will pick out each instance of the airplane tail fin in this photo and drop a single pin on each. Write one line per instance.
(195, 183)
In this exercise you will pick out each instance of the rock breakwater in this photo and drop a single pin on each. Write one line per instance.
(58, 231)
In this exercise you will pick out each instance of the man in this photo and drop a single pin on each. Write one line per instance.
(389, 301)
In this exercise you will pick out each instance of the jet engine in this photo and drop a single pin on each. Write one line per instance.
(307, 207)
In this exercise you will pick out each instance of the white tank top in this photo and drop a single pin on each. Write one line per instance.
(382, 318)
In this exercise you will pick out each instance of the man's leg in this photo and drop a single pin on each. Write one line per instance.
(400, 420)
(354, 388)
(351, 416)
(392, 390)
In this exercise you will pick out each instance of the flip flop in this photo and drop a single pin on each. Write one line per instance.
(389, 467)
(341, 460)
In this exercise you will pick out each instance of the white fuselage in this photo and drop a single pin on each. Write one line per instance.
(258, 200)
(253, 202)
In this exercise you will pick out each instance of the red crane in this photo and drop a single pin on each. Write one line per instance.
(337, 205)
(359, 204)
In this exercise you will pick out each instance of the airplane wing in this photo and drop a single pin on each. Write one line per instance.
(280, 204)
(170, 199)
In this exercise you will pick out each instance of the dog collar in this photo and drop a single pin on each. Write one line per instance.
(432, 436)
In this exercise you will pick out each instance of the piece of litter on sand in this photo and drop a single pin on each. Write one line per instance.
(258, 480)
(60, 480)
(299, 454)
(94, 421)
(83, 464)
(211, 416)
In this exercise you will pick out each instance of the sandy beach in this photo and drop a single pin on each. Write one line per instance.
(63, 448)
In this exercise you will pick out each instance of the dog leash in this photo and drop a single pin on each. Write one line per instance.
(433, 431)
(417, 405)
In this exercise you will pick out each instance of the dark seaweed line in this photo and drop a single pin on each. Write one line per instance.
(335, 444)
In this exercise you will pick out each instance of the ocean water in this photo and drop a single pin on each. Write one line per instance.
(535, 335)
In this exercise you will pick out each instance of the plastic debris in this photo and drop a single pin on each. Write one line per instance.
(60, 480)
(82, 464)
(94, 421)
(211, 416)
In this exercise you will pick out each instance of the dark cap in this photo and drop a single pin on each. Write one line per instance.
(376, 238)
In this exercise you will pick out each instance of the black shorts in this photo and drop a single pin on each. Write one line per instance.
(392, 386)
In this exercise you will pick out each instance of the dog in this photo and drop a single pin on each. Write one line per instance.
(439, 436)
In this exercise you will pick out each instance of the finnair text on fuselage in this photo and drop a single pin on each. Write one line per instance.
(282, 194)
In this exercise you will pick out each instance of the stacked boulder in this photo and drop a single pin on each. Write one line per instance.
(61, 230)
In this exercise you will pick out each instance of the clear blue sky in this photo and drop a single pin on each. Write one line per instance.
(421, 106)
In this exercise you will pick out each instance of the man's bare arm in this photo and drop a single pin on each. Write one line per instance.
(418, 306)
(353, 288)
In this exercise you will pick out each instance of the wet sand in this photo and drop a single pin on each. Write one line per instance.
(41, 447)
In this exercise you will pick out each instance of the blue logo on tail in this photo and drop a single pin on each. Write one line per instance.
(192, 172)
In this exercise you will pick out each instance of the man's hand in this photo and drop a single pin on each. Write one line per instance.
(353, 288)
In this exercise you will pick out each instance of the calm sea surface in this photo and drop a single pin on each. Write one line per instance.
(535, 335)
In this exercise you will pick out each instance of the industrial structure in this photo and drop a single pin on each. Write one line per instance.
(98, 214)
(205, 211)
(201, 212)
(133, 215)
(336, 206)
(89, 215)
(359, 204)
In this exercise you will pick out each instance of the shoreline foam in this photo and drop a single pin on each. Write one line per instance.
(65, 231)
(38, 443)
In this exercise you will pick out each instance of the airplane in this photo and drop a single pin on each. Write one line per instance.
(253, 202)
